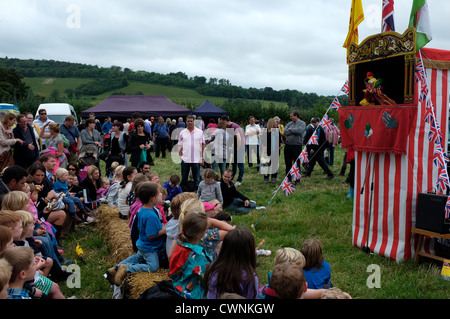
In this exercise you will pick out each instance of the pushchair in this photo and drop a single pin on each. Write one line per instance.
(88, 155)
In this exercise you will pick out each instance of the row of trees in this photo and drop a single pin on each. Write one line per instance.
(115, 77)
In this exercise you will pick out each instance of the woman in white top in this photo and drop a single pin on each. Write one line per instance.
(57, 143)
(252, 132)
(124, 190)
(113, 192)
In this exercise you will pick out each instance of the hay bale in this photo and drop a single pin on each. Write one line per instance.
(116, 232)
(136, 283)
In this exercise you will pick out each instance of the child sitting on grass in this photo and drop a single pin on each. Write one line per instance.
(172, 187)
(234, 270)
(288, 281)
(317, 271)
(190, 260)
(174, 213)
(286, 254)
(209, 188)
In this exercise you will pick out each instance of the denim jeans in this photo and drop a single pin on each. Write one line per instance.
(71, 201)
(234, 168)
(142, 261)
(237, 206)
(186, 167)
(216, 166)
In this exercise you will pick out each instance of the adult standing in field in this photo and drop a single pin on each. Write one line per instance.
(41, 121)
(36, 129)
(71, 132)
(26, 148)
(90, 135)
(294, 132)
(56, 142)
(191, 148)
(238, 152)
(107, 126)
(137, 116)
(315, 151)
(139, 142)
(98, 125)
(271, 142)
(181, 123)
(7, 140)
(160, 131)
(252, 132)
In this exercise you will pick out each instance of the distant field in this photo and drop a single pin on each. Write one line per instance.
(45, 86)
(187, 97)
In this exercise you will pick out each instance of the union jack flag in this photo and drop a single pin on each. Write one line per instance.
(345, 88)
(435, 134)
(421, 74)
(314, 139)
(388, 15)
(447, 208)
(423, 92)
(326, 123)
(335, 105)
(440, 159)
(429, 111)
(304, 156)
(295, 172)
(287, 187)
(442, 181)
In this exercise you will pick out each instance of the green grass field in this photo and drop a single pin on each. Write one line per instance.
(182, 96)
(317, 209)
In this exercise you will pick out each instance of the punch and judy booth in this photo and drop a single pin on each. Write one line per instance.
(397, 124)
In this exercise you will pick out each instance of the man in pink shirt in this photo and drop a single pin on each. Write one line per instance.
(191, 148)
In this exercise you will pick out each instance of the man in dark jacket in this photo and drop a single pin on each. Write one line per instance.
(233, 200)
(25, 153)
(315, 151)
(293, 132)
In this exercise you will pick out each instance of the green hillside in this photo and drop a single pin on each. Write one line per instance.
(44, 86)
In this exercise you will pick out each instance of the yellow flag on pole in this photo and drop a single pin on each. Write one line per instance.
(356, 17)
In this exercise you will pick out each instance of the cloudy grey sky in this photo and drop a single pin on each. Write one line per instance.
(285, 44)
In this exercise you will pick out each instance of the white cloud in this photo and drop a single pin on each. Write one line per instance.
(288, 44)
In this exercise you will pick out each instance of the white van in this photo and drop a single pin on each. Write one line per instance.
(57, 111)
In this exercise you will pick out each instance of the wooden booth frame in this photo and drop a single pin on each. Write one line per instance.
(389, 55)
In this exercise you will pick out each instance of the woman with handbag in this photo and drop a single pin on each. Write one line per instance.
(7, 140)
(139, 144)
(116, 152)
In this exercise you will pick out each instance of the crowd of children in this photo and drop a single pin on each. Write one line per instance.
(208, 257)
(188, 233)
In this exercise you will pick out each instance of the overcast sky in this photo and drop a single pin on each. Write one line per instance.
(284, 44)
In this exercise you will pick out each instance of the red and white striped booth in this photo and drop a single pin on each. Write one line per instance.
(393, 151)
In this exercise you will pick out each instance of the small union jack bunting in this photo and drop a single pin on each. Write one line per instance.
(287, 187)
(335, 105)
(295, 172)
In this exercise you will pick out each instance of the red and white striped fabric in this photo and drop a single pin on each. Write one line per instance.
(384, 214)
